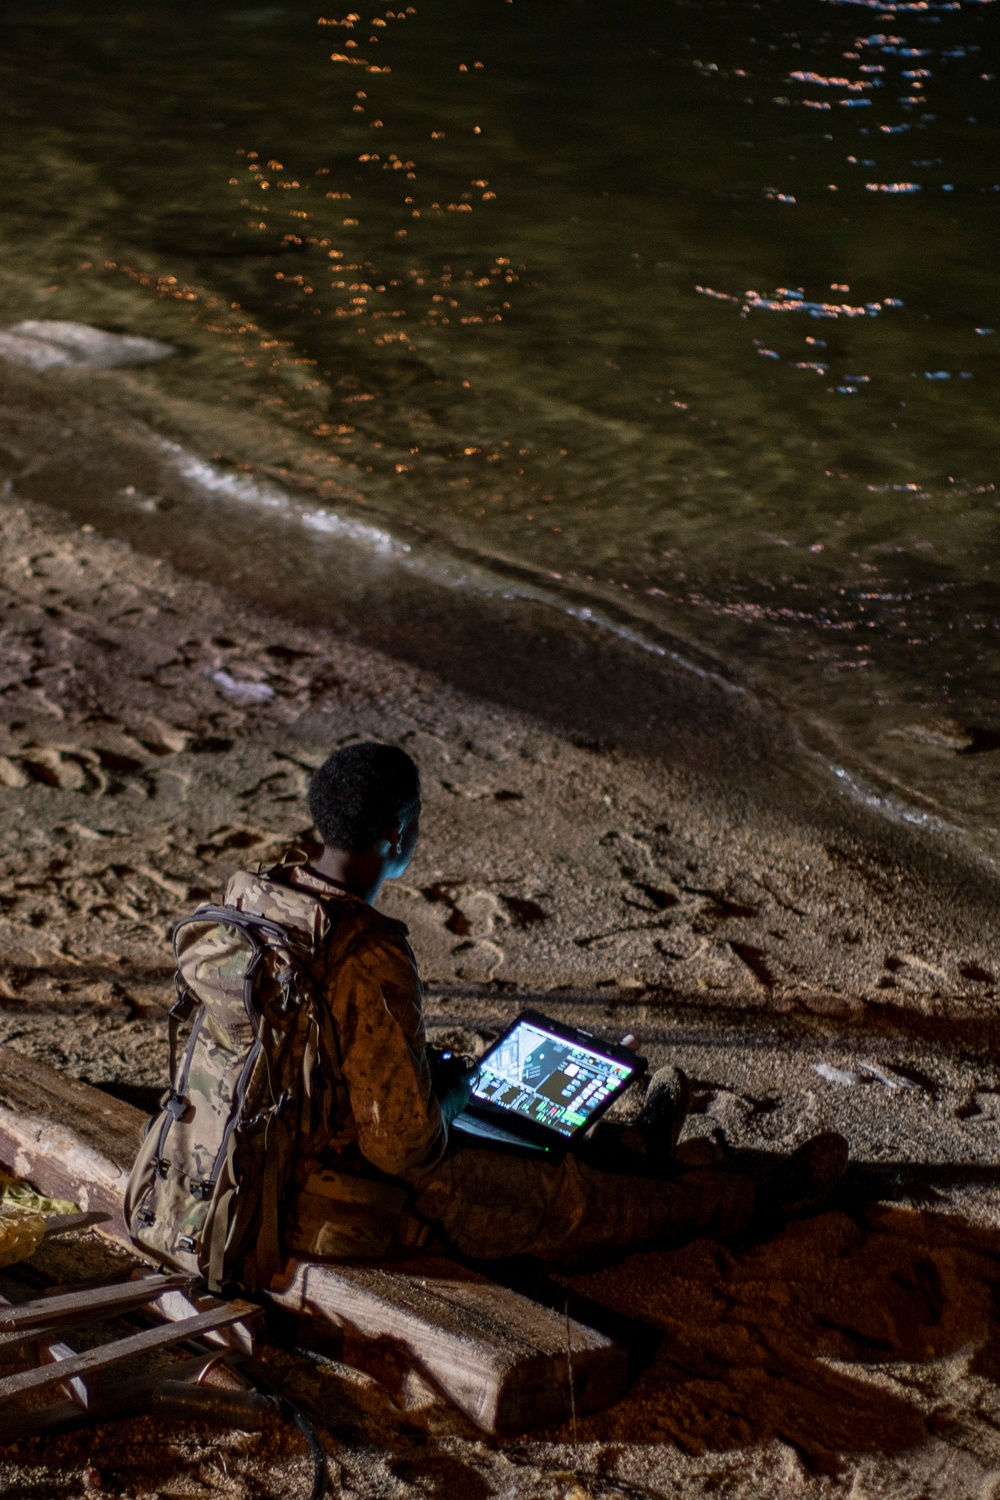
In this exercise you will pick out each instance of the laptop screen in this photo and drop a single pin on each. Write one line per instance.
(547, 1078)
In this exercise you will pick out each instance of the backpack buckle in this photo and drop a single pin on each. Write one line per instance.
(187, 1242)
(201, 1189)
(175, 1106)
(145, 1216)
(161, 1166)
(185, 1003)
(286, 978)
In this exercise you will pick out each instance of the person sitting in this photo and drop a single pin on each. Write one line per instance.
(383, 1167)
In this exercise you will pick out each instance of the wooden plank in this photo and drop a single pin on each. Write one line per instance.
(183, 1302)
(112, 1399)
(499, 1357)
(104, 1356)
(77, 1390)
(93, 1302)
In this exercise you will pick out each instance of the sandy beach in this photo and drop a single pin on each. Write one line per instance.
(693, 876)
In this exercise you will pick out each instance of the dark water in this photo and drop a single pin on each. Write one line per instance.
(686, 315)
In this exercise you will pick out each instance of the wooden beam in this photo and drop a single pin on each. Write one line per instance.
(502, 1359)
(499, 1357)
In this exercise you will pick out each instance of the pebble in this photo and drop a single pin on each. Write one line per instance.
(240, 690)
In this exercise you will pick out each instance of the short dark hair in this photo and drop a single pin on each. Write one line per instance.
(359, 792)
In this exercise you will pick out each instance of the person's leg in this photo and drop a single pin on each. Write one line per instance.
(646, 1145)
(493, 1204)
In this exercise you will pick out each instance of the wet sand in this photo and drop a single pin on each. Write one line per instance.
(688, 873)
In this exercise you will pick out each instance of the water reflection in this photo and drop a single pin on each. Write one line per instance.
(692, 311)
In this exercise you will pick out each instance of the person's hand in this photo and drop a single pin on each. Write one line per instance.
(452, 1077)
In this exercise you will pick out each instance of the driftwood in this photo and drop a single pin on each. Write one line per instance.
(502, 1359)
(70, 1140)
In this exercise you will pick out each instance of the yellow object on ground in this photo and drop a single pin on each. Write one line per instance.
(20, 1238)
(21, 1196)
(22, 1218)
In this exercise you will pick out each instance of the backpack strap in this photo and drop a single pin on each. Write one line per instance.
(182, 1010)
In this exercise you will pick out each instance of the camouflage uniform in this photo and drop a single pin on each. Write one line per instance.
(385, 1141)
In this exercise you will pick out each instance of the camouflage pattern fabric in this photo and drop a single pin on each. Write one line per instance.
(493, 1204)
(489, 1203)
(386, 1111)
(205, 1193)
(318, 1141)
(304, 1091)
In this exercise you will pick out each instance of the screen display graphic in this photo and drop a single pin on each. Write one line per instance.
(547, 1078)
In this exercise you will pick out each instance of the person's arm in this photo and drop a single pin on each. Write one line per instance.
(379, 1016)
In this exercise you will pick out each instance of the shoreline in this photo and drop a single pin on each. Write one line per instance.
(110, 449)
(809, 964)
(655, 866)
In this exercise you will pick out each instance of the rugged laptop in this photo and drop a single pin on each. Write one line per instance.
(543, 1084)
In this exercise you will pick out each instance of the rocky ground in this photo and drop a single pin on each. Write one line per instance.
(809, 964)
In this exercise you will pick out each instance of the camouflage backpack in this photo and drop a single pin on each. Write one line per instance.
(205, 1193)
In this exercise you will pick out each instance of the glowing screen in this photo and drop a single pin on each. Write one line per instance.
(547, 1078)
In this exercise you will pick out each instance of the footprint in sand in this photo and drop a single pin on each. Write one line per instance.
(473, 918)
(454, 925)
(69, 768)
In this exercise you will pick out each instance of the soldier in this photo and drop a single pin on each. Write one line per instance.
(383, 1170)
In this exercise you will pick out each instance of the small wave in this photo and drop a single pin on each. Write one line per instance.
(247, 490)
(239, 487)
(487, 574)
(330, 524)
(897, 810)
(635, 637)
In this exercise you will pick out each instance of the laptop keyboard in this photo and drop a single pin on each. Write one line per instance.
(485, 1130)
